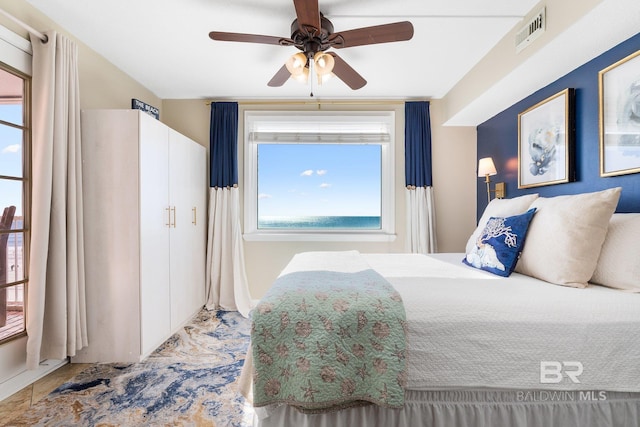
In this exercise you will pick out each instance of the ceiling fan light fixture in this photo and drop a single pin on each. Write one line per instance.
(302, 76)
(296, 64)
(324, 78)
(323, 63)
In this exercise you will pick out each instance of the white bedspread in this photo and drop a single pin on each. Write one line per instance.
(471, 329)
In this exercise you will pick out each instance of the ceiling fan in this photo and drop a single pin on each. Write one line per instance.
(313, 35)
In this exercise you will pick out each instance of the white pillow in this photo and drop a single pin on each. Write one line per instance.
(500, 208)
(619, 263)
(566, 235)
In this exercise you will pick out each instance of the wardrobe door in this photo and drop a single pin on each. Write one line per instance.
(155, 217)
(180, 236)
(199, 186)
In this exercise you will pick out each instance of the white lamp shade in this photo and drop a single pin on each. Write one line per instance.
(302, 76)
(323, 78)
(486, 167)
(296, 64)
(323, 63)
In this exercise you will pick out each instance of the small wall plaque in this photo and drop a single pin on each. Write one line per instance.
(136, 104)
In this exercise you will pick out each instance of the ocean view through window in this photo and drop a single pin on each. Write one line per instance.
(318, 175)
(319, 186)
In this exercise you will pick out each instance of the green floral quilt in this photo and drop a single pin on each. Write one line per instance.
(324, 340)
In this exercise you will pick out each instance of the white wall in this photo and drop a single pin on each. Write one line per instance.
(102, 85)
(454, 180)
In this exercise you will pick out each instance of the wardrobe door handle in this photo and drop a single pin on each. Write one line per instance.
(168, 216)
(195, 217)
(174, 216)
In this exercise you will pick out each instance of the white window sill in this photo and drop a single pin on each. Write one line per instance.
(263, 236)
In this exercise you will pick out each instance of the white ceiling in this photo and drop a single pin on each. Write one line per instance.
(164, 45)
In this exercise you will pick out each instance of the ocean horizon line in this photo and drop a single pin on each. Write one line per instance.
(369, 222)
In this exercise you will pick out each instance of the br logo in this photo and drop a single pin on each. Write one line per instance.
(552, 372)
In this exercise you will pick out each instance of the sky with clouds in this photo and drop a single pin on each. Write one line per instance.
(319, 180)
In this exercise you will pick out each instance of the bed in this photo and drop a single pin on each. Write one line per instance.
(488, 350)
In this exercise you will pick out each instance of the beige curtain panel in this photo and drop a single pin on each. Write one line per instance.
(56, 309)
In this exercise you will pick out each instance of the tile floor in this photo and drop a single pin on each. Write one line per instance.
(19, 402)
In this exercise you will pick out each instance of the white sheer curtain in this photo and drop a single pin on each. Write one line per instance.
(227, 285)
(421, 228)
(56, 310)
(421, 220)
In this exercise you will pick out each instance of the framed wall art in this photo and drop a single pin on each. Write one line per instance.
(546, 141)
(619, 89)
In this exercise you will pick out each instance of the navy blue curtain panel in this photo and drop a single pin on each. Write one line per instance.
(417, 144)
(224, 144)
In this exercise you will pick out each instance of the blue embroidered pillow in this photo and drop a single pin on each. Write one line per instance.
(498, 247)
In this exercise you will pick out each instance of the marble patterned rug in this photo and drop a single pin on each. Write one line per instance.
(188, 381)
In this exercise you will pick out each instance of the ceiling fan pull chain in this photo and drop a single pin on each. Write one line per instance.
(312, 73)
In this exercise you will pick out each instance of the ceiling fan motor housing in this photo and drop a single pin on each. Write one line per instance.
(308, 39)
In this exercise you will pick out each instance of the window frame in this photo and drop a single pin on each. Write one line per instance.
(15, 58)
(331, 121)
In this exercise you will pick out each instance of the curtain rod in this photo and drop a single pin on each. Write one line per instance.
(27, 27)
(318, 103)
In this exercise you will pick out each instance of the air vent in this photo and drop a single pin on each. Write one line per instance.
(531, 31)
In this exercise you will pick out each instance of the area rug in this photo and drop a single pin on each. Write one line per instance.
(188, 381)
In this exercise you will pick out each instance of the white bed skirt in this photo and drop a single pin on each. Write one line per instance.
(478, 408)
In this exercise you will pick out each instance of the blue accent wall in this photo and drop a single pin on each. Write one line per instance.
(498, 137)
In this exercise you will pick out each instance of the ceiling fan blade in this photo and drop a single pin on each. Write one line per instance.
(308, 14)
(280, 77)
(250, 38)
(344, 72)
(395, 32)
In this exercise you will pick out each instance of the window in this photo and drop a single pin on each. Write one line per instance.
(14, 167)
(319, 176)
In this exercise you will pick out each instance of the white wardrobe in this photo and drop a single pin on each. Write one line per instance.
(144, 190)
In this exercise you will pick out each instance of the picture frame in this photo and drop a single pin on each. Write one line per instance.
(546, 141)
(619, 105)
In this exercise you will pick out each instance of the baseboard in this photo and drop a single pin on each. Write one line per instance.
(27, 377)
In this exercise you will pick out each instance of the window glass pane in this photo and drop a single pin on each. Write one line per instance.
(12, 310)
(319, 186)
(13, 253)
(11, 195)
(10, 151)
(11, 98)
